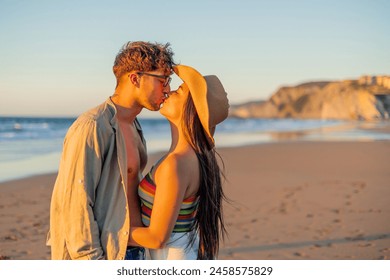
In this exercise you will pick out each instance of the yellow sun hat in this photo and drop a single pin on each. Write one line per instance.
(209, 96)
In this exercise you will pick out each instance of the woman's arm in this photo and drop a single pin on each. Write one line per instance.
(171, 182)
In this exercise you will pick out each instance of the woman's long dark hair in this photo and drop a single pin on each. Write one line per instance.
(209, 223)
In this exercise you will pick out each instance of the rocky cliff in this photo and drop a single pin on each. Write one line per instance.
(361, 99)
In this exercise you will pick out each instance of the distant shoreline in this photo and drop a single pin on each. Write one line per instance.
(24, 157)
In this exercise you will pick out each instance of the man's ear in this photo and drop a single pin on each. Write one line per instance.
(134, 79)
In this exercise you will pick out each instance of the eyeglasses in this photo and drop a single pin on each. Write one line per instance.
(167, 79)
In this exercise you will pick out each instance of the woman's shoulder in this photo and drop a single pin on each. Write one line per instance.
(179, 163)
(180, 169)
(176, 160)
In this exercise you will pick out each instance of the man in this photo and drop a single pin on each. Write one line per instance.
(94, 201)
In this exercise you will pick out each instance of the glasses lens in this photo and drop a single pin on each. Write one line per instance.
(167, 81)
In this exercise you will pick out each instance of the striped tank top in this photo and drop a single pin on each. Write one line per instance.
(186, 218)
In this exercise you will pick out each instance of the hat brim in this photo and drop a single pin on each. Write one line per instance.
(198, 89)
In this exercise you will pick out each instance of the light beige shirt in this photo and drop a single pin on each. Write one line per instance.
(89, 216)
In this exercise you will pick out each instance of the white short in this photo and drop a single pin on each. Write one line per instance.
(177, 248)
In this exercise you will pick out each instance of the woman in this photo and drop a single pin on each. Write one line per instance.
(182, 194)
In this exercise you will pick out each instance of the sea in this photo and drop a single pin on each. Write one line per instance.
(32, 145)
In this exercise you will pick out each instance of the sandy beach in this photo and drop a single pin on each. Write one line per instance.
(288, 200)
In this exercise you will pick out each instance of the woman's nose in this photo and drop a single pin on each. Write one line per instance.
(172, 92)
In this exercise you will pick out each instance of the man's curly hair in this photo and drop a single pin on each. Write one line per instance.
(143, 56)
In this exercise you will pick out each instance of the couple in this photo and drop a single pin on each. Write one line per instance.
(102, 208)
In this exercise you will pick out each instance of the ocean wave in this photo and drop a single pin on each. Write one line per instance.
(33, 128)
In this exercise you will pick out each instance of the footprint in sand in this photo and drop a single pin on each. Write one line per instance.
(356, 237)
(11, 237)
(359, 185)
(365, 245)
(300, 254)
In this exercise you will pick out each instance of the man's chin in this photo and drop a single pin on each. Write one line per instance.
(153, 108)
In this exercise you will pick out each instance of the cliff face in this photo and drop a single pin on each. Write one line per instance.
(350, 99)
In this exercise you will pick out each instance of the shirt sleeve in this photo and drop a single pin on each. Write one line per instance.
(82, 164)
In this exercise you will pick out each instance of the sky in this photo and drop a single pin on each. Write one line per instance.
(56, 57)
